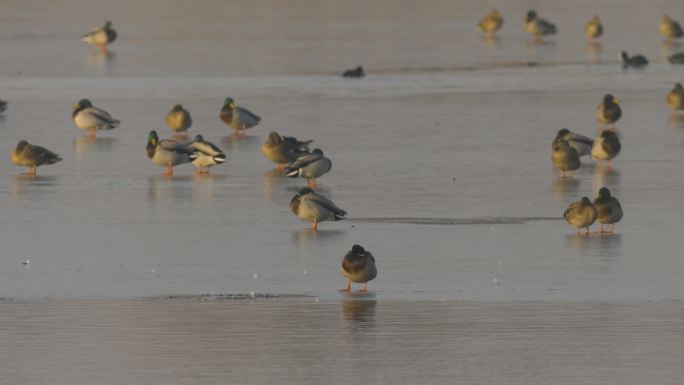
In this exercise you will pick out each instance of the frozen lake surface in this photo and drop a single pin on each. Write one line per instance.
(441, 156)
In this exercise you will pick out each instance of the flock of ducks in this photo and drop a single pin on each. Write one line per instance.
(293, 158)
(568, 147)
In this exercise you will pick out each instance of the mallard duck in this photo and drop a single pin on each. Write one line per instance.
(208, 154)
(636, 61)
(670, 29)
(282, 150)
(309, 166)
(307, 205)
(178, 119)
(606, 147)
(537, 26)
(3, 105)
(609, 209)
(31, 156)
(677, 58)
(88, 117)
(354, 73)
(101, 37)
(491, 23)
(565, 158)
(168, 153)
(580, 143)
(675, 99)
(594, 28)
(358, 266)
(608, 111)
(238, 118)
(580, 214)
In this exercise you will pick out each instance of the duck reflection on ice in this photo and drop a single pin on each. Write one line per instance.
(100, 62)
(564, 187)
(596, 244)
(306, 236)
(34, 185)
(605, 177)
(359, 309)
(85, 144)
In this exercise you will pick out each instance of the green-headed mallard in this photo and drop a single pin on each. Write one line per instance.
(491, 23)
(208, 154)
(565, 158)
(608, 111)
(307, 205)
(309, 166)
(283, 150)
(88, 117)
(358, 266)
(609, 209)
(636, 61)
(594, 28)
(606, 147)
(238, 118)
(357, 72)
(675, 99)
(31, 156)
(168, 153)
(580, 143)
(580, 214)
(537, 26)
(670, 29)
(101, 37)
(3, 105)
(178, 119)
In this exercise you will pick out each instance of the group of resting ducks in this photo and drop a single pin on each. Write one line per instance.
(538, 27)
(292, 157)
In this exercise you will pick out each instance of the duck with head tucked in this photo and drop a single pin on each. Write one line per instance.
(88, 117)
(537, 26)
(168, 153)
(580, 143)
(283, 150)
(101, 37)
(608, 111)
(609, 209)
(358, 266)
(208, 154)
(238, 118)
(580, 214)
(675, 99)
(593, 29)
(606, 147)
(310, 206)
(670, 29)
(565, 158)
(178, 119)
(309, 166)
(491, 23)
(32, 156)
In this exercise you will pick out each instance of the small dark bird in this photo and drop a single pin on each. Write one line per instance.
(3, 105)
(636, 61)
(358, 266)
(354, 73)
